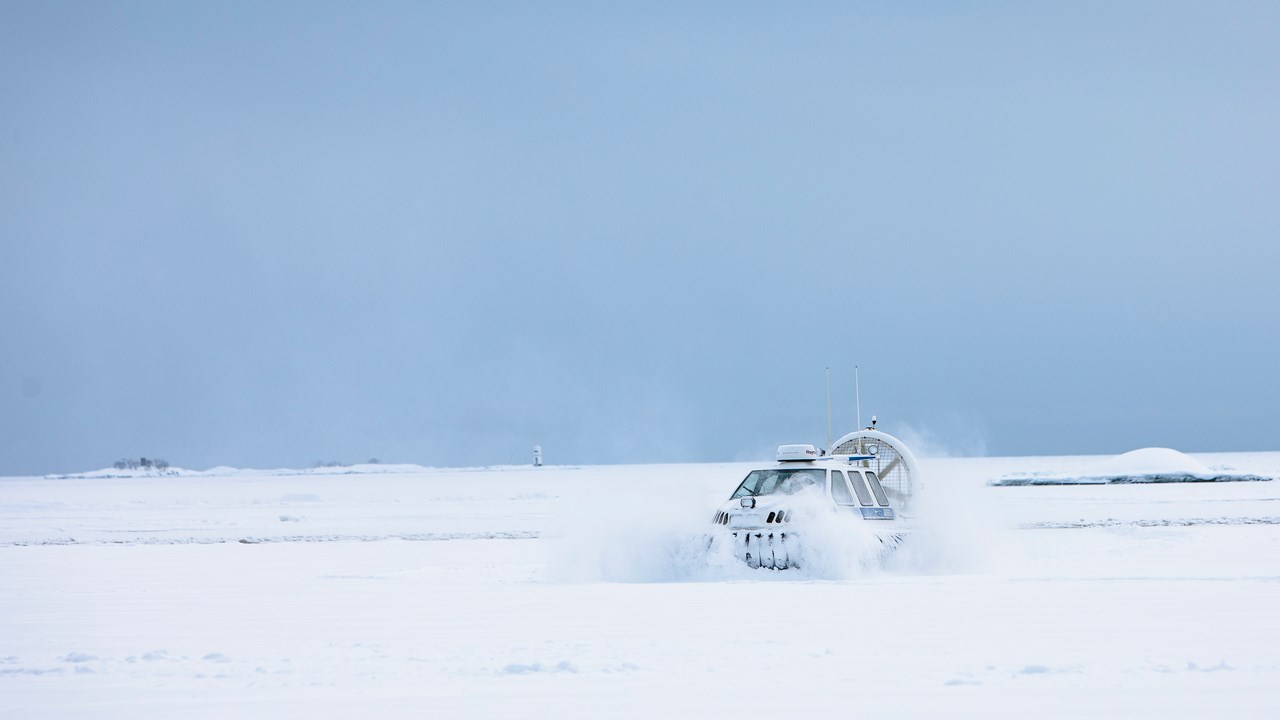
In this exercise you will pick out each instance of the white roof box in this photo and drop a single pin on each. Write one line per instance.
(797, 453)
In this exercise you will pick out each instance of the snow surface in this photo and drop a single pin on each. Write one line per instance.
(1147, 465)
(401, 591)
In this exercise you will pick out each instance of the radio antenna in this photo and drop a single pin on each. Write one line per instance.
(828, 409)
(857, 394)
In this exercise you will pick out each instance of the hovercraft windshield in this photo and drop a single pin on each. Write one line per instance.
(779, 482)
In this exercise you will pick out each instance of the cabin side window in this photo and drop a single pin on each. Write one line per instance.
(860, 487)
(875, 488)
(840, 489)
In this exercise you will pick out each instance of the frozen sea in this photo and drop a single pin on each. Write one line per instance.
(400, 591)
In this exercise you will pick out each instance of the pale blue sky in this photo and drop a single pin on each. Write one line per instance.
(264, 234)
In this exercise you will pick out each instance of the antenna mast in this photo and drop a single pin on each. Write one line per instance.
(857, 394)
(828, 409)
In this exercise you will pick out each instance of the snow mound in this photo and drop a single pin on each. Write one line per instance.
(1152, 461)
(1146, 465)
(116, 474)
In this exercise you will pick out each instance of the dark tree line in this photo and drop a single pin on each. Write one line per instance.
(141, 463)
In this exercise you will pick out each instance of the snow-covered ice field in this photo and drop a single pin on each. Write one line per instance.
(397, 591)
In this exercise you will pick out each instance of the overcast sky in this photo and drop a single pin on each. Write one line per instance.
(266, 234)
